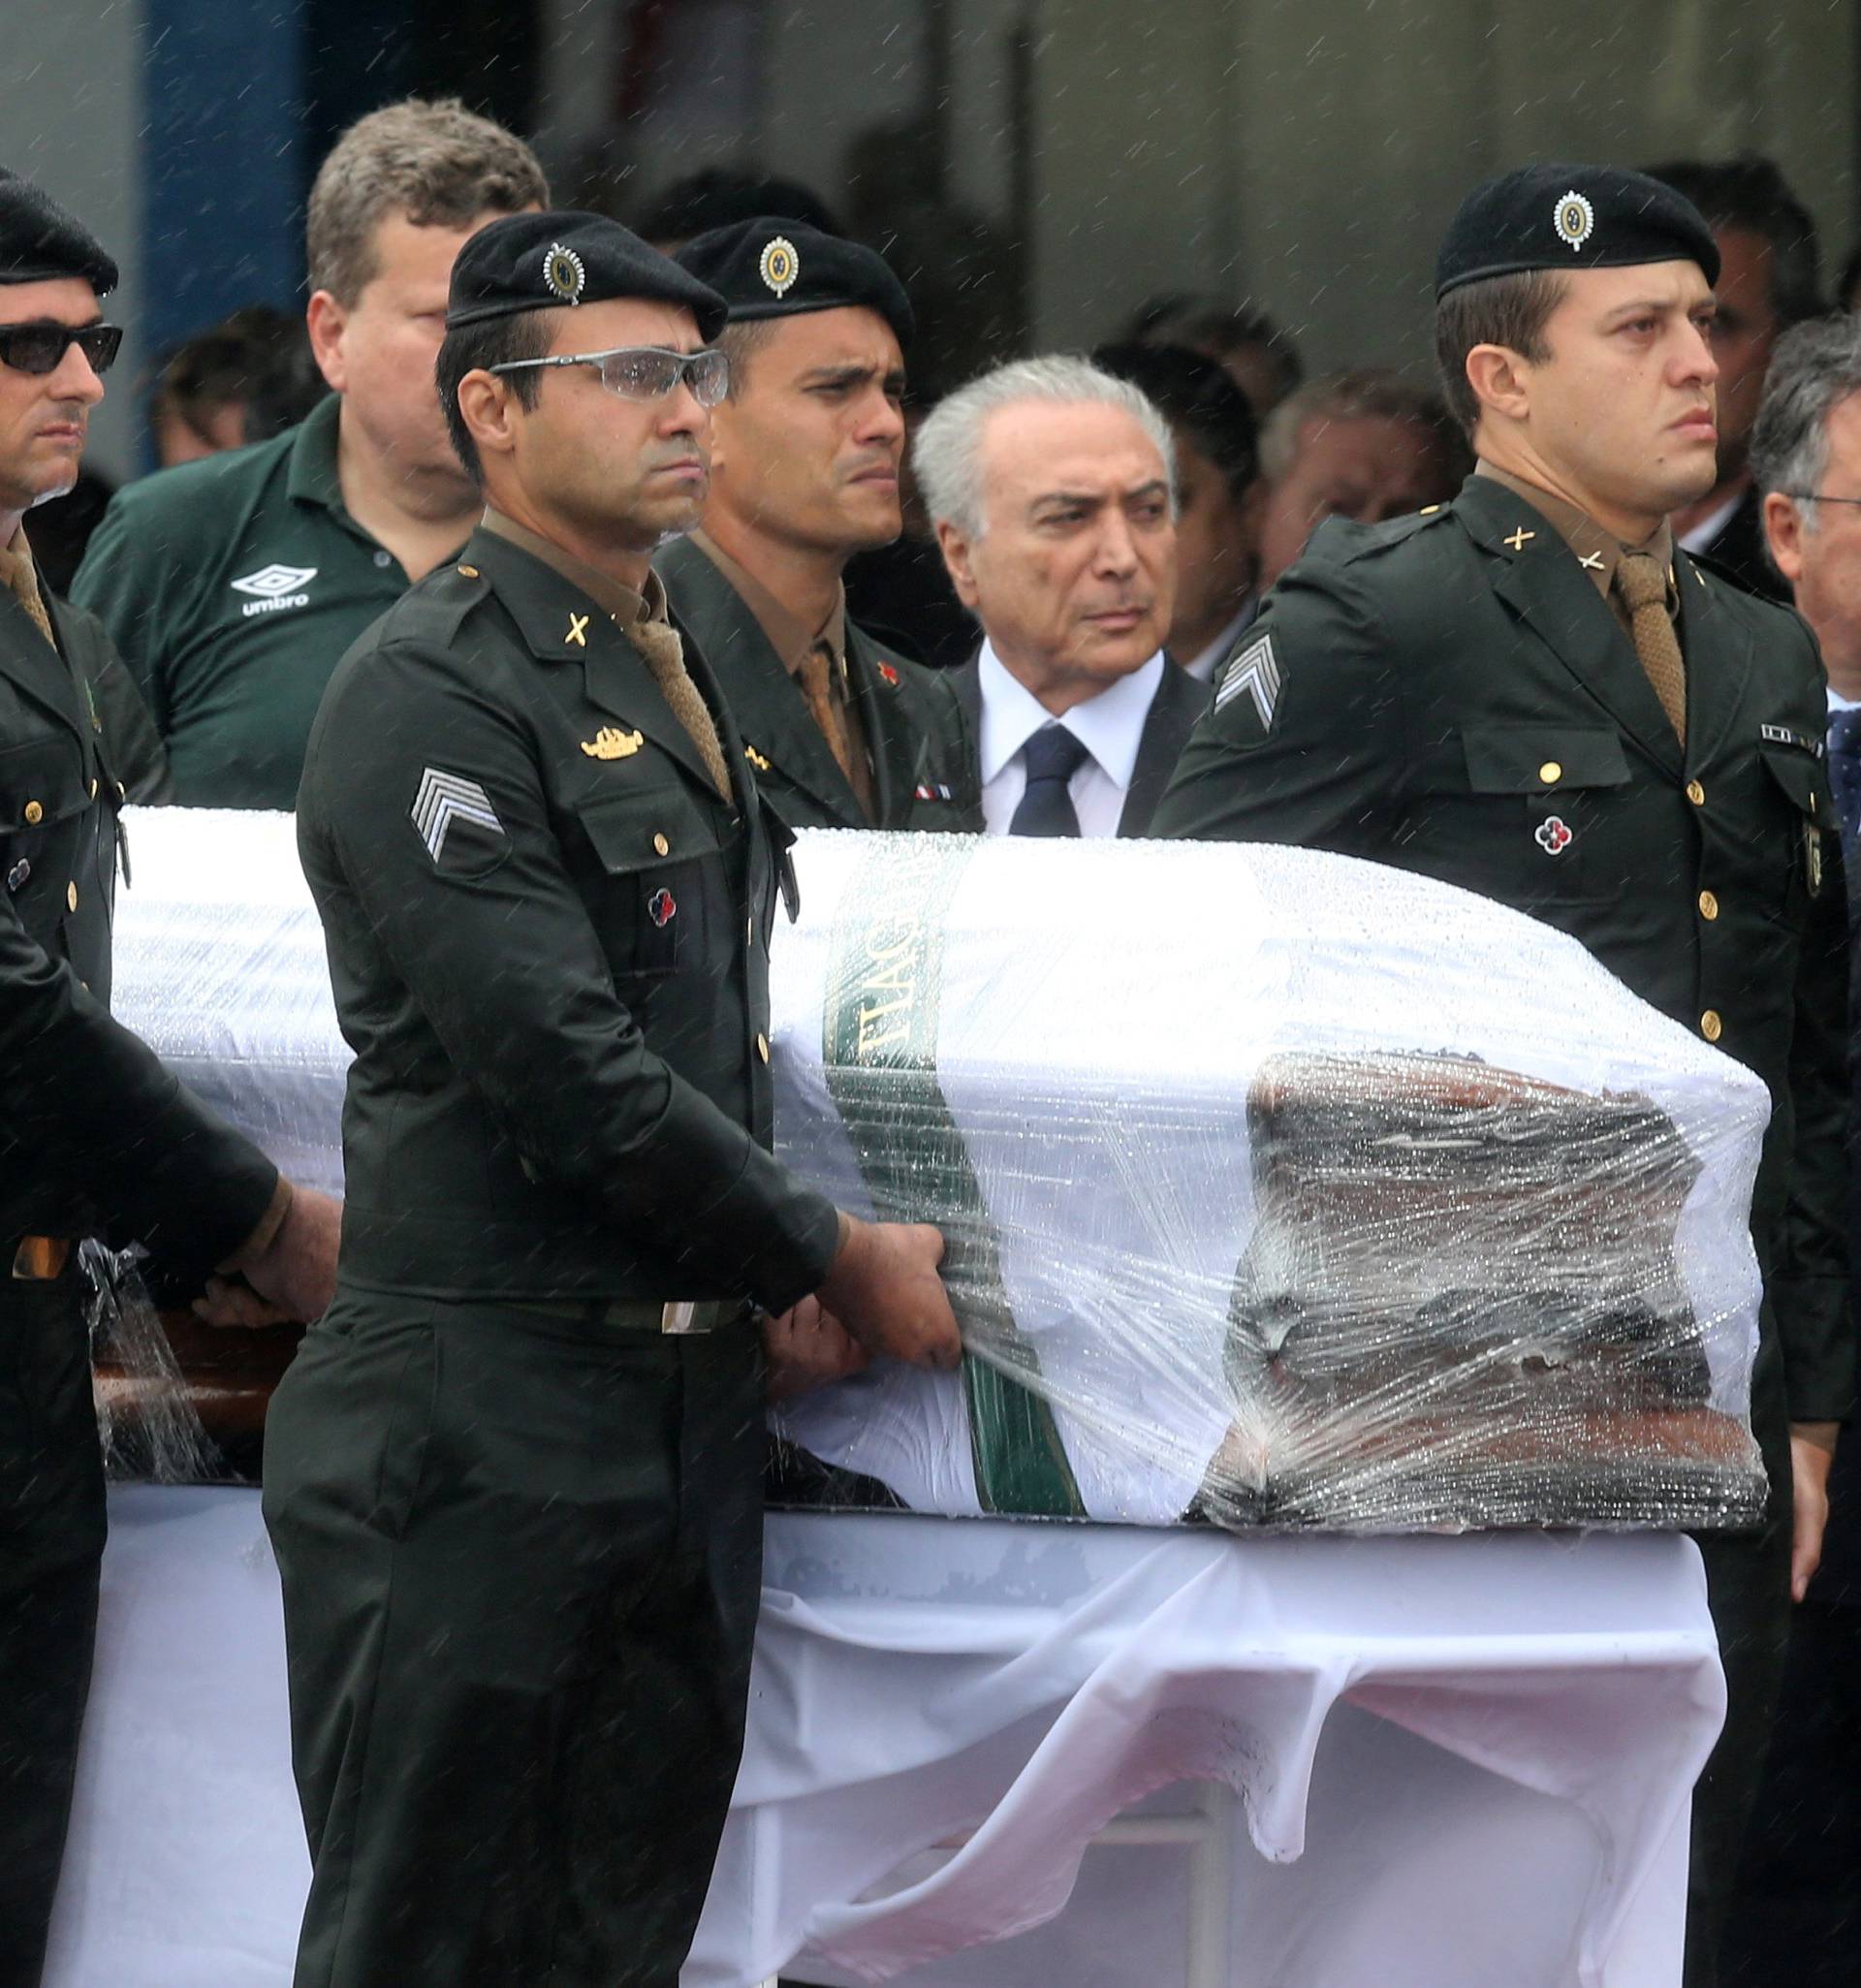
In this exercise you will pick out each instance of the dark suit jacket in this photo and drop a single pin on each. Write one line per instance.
(1739, 551)
(922, 755)
(1180, 701)
(1440, 688)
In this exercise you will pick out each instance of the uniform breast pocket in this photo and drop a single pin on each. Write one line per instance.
(1802, 812)
(41, 786)
(1524, 813)
(659, 856)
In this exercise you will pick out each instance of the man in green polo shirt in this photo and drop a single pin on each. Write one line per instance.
(232, 585)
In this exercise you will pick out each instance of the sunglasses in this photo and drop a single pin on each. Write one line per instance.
(645, 372)
(41, 348)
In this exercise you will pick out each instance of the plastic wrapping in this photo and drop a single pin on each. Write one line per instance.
(1279, 1188)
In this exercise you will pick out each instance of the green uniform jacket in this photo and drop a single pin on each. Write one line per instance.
(548, 942)
(231, 589)
(95, 1135)
(1451, 694)
(923, 754)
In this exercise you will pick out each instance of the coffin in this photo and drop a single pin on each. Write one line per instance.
(1279, 1188)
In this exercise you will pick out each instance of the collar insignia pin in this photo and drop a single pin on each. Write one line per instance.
(756, 759)
(889, 674)
(1518, 538)
(1591, 562)
(578, 630)
(607, 744)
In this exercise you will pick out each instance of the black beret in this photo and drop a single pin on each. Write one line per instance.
(1571, 217)
(775, 268)
(40, 240)
(557, 261)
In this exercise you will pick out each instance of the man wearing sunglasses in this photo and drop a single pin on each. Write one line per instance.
(843, 732)
(514, 1484)
(96, 1137)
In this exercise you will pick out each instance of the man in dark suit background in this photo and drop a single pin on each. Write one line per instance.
(843, 733)
(1800, 1890)
(1769, 277)
(1051, 486)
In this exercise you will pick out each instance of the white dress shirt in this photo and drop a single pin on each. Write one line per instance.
(1109, 727)
(1839, 703)
(1700, 539)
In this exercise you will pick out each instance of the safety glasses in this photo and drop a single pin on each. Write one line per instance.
(38, 348)
(646, 372)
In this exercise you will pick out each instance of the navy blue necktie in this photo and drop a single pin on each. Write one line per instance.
(1052, 757)
(1845, 774)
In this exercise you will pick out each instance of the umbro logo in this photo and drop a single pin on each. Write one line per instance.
(275, 586)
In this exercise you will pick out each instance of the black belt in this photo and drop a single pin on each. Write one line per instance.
(638, 1315)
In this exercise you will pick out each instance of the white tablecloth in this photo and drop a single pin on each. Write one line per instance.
(1459, 1761)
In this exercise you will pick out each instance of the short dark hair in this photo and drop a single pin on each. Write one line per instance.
(487, 343)
(1492, 310)
(737, 341)
(1751, 192)
(1198, 396)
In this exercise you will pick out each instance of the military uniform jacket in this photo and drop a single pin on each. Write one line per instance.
(1451, 694)
(923, 752)
(94, 1133)
(548, 936)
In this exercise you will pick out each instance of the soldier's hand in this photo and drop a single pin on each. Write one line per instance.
(807, 1346)
(293, 1275)
(883, 1286)
(1811, 1452)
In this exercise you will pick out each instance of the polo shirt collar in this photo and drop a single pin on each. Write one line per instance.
(1110, 726)
(314, 477)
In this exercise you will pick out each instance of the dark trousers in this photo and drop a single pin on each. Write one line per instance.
(522, 1564)
(51, 1542)
(1747, 1589)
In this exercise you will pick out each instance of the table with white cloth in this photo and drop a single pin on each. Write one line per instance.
(1444, 1762)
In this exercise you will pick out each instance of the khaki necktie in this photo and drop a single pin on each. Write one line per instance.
(663, 653)
(818, 692)
(1642, 581)
(23, 583)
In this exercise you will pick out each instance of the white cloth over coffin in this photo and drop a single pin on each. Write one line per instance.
(919, 1677)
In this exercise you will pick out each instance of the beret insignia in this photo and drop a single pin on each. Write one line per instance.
(780, 265)
(564, 271)
(1575, 221)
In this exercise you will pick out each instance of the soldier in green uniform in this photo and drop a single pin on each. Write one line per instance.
(514, 1478)
(1531, 693)
(843, 732)
(95, 1136)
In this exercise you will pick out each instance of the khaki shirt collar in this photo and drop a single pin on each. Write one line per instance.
(789, 637)
(1599, 552)
(627, 605)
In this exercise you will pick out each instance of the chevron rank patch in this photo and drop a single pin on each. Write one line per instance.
(1253, 671)
(454, 818)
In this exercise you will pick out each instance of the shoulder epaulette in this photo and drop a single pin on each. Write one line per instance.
(1352, 542)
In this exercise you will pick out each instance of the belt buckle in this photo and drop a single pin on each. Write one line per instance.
(680, 1316)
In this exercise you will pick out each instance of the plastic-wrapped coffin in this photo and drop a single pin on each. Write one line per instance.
(1277, 1187)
